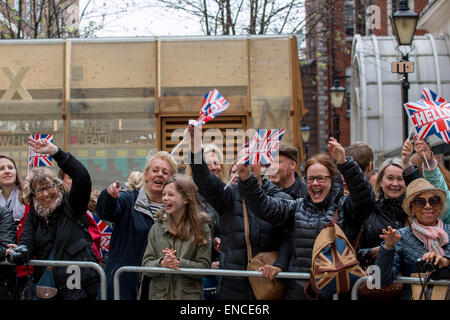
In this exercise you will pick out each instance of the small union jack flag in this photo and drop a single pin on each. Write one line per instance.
(430, 115)
(106, 231)
(213, 105)
(37, 159)
(263, 147)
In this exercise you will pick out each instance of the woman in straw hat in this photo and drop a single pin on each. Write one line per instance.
(427, 237)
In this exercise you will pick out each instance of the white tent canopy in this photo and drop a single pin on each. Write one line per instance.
(376, 103)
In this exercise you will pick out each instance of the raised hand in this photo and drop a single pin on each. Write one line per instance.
(114, 189)
(336, 150)
(194, 133)
(407, 151)
(244, 171)
(390, 236)
(421, 147)
(42, 146)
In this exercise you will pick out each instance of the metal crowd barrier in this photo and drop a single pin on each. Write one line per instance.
(202, 272)
(406, 280)
(66, 263)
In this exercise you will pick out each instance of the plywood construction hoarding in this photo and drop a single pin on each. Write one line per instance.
(113, 102)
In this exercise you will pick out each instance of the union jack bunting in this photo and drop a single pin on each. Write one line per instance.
(37, 159)
(213, 105)
(329, 280)
(263, 146)
(106, 233)
(334, 266)
(430, 115)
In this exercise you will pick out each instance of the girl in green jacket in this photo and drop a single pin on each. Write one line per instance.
(181, 238)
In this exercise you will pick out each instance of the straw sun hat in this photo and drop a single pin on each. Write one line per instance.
(417, 187)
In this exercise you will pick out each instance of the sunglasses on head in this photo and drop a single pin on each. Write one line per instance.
(421, 202)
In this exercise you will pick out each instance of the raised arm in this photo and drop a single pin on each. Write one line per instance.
(432, 173)
(389, 256)
(80, 192)
(361, 201)
(112, 204)
(279, 212)
(210, 186)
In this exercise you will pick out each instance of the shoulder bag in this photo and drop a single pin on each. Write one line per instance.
(263, 289)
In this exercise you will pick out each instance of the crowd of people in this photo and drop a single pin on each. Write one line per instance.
(394, 215)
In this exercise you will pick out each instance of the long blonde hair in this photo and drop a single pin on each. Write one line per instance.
(136, 180)
(192, 218)
(395, 161)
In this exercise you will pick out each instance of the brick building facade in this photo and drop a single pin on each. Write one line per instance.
(331, 26)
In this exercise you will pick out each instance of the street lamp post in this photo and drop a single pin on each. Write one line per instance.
(404, 23)
(305, 130)
(337, 94)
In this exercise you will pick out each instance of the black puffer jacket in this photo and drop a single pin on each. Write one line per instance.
(233, 255)
(8, 234)
(388, 212)
(73, 241)
(306, 219)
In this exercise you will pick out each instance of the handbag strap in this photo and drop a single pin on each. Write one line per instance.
(246, 230)
(335, 216)
(423, 292)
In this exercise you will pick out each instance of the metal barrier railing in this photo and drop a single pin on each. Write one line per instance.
(66, 263)
(202, 272)
(406, 280)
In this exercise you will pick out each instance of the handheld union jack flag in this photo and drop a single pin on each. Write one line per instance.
(213, 105)
(106, 232)
(430, 115)
(263, 147)
(37, 159)
(430, 95)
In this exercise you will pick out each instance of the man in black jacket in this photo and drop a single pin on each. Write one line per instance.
(286, 177)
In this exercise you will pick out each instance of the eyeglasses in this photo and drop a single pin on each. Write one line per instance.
(421, 202)
(40, 191)
(320, 179)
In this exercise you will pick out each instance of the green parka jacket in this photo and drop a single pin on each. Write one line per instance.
(165, 286)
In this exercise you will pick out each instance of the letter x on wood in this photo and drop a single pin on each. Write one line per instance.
(16, 85)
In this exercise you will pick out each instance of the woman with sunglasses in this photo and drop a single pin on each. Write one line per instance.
(57, 219)
(306, 217)
(426, 238)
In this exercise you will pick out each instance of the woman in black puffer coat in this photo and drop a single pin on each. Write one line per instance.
(305, 217)
(394, 176)
(233, 249)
